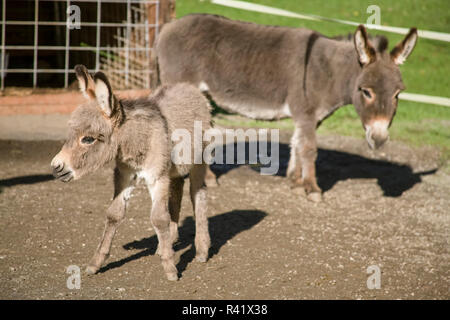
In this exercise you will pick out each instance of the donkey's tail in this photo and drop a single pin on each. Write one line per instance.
(155, 79)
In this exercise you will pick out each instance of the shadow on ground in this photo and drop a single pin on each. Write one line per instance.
(30, 179)
(334, 166)
(222, 228)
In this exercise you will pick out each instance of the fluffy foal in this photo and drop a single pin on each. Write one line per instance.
(138, 135)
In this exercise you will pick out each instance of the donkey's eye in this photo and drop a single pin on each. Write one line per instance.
(366, 93)
(87, 140)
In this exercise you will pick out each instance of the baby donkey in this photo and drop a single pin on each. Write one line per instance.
(137, 134)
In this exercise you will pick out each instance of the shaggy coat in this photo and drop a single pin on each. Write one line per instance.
(138, 135)
(270, 72)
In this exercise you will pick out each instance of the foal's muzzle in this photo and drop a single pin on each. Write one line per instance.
(61, 171)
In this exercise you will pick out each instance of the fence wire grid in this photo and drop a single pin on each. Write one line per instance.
(121, 46)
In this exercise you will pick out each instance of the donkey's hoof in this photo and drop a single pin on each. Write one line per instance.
(90, 270)
(314, 197)
(172, 276)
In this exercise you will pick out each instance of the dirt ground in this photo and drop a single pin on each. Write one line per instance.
(388, 208)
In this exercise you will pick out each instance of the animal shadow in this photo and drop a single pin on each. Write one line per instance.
(222, 228)
(334, 166)
(30, 179)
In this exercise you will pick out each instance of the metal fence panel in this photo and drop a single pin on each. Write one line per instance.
(126, 59)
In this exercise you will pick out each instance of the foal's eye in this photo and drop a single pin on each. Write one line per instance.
(366, 93)
(87, 140)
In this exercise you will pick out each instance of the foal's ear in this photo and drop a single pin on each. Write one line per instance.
(103, 93)
(366, 52)
(402, 50)
(85, 81)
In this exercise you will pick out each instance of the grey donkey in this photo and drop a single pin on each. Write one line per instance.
(137, 134)
(270, 72)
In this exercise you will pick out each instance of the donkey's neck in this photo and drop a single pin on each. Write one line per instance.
(347, 66)
(344, 67)
(341, 71)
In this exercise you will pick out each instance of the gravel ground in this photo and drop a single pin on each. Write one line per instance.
(388, 208)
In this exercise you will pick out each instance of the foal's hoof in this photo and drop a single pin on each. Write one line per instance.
(90, 270)
(314, 197)
(211, 183)
(201, 258)
(295, 183)
(172, 276)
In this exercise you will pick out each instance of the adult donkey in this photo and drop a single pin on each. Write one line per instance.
(269, 72)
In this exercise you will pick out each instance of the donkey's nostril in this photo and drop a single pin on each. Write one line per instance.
(380, 141)
(58, 168)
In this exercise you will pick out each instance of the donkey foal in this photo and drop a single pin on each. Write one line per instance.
(137, 134)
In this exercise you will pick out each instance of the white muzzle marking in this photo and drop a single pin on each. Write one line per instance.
(377, 133)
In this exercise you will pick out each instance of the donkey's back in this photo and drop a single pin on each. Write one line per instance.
(178, 105)
(245, 67)
(183, 104)
(270, 72)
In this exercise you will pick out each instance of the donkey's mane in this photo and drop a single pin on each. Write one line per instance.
(145, 106)
(380, 42)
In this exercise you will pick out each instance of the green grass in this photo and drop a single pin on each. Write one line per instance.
(426, 71)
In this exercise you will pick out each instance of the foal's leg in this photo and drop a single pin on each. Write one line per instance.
(124, 181)
(175, 196)
(210, 178)
(160, 218)
(199, 202)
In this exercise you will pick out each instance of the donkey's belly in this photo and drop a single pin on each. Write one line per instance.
(180, 170)
(260, 110)
(254, 111)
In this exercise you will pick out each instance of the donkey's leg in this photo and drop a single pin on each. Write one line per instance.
(294, 169)
(175, 196)
(124, 181)
(200, 205)
(160, 218)
(308, 155)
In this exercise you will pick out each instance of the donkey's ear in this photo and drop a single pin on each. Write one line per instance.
(103, 93)
(402, 50)
(85, 81)
(366, 53)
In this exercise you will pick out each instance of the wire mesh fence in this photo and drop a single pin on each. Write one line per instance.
(42, 40)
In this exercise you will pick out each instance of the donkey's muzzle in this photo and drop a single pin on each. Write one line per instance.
(377, 133)
(62, 173)
(61, 170)
(376, 141)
